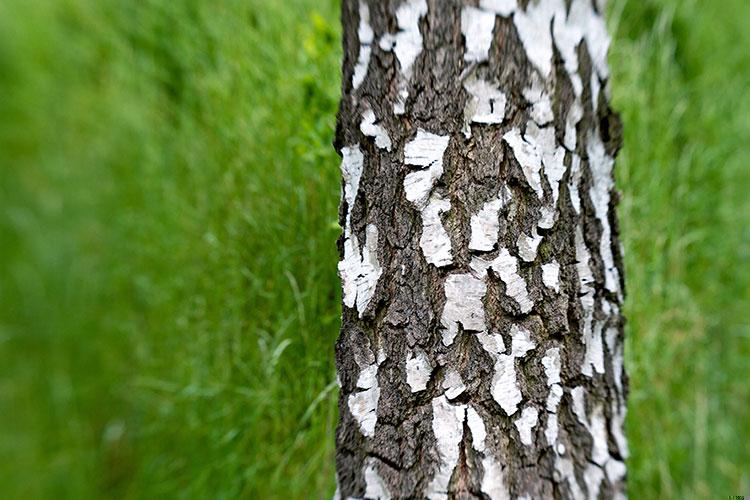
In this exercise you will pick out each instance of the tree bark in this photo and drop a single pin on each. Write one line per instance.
(481, 347)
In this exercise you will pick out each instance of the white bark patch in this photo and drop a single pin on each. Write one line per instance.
(528, 246)
(463, 305)
(447, 426)
(367, 377)
(485, 226)
(399, 107)
(363, 406)
(552, 156)
(553, 401)
(533, 26)
(579, 405)
(477, 26)
(593, 476)
(612, 334)
(360, 269)
(596, 88)
(426, 151)
(381, 355)
(551, 275)
(435, 242)
(528, 158)
(487, 102)
(554, 169)
(526, 423)
(547, 217)
(575, 113)
(598, 429)
(366, 37)
(491, 342)
(616, 426)
(370, 128)
(406, 44)
(477, 428)
(502, 7)
(375, 487)
(538, 155)
(567, 38)
(419, 184)
(551, 364)
(370, 269)
(615, 470)
(493, 480)
(596, 424)
(408, 41)
(601, 169)
(575, 179)
(594, 357)
(568, 31)
(554, 397)
(550, 432)
(616, 356)
(351, 170)
(541, 102)
(453, 384)
(504, 386)
(592, 337)
(594, 28)
(521, 341)
(418, 370)
(566, 471)
(506, 266)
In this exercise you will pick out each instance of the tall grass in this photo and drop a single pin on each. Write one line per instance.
(680, 78)
(168, 206)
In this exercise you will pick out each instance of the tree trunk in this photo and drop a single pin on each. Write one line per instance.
(480, 353)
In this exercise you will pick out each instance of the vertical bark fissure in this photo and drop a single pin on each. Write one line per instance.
(481, 347)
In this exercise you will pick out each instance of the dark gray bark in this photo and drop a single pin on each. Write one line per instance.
(480, 352)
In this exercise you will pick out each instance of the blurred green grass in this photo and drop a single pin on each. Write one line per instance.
(168, 293)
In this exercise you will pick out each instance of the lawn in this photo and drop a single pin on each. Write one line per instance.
(168, 218)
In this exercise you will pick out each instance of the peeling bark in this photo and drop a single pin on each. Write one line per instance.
(481, 347)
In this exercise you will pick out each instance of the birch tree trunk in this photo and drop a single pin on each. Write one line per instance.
(480, 353)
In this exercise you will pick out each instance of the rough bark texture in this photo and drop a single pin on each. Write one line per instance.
(480, 353)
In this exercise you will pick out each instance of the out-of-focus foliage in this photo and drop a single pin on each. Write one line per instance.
(680, 80)
(168, 206)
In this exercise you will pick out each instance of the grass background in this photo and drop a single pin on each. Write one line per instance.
(168, 206)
